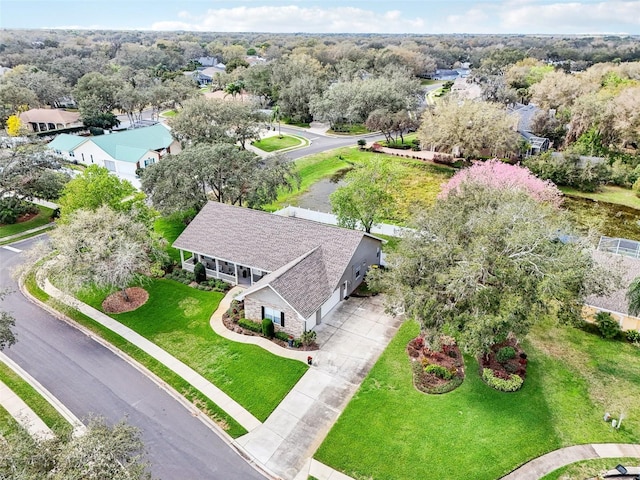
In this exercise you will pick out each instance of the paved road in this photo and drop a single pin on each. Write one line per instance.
(90, 379)
(321, 143)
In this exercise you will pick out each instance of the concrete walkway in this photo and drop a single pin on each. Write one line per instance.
(226, 403)
(78, 426)
(220, 329)
(546, 464)
(21, 412)
(351, 338)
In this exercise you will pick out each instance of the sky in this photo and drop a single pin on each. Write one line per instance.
(330, 16)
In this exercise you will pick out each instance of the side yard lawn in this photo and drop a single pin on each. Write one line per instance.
(43, 217)
(176, 318)
(272, 144)
(392, 431)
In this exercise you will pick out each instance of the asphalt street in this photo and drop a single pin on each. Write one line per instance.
(91, 380)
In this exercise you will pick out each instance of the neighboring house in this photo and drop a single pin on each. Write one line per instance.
(621, 256)
(451, 74)
(295, 270)
(208, 61)
(205, 76)
(523, 115)
(49, 119)
(122, 153)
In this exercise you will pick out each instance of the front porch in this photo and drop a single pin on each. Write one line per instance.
(231, 272)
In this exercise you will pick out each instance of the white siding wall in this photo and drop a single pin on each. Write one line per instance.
(333, 300)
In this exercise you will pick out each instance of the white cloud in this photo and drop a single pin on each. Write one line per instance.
(291, 18)
(573, 17)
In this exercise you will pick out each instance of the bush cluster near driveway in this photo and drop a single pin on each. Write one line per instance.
(42, 218)
(176, 318)
(272, 144)
(392, 431)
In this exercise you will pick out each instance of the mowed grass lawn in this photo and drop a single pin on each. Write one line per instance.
(176, 318)
(608, 193)
(271, 144)
(392, 431)
(43, 217)
(170, 229)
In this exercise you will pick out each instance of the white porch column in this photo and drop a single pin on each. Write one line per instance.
(181, 258)
(250, 275)
(235, 268)
(217, 268)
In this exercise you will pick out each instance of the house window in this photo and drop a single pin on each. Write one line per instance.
(72, 154)
(110, 165)
(276, 316)
(358, 273)
(149, 161)
(378, 252)
(82, 156)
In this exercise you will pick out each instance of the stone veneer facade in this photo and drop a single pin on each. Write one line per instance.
(268, 298)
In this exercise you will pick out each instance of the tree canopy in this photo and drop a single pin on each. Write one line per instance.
(95, 187)
(105, 248)
(221, 171)
(365, 198)
(486, 262)
(476, 128)
(114, 452)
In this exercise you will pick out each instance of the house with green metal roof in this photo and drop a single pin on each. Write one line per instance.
(123, 153)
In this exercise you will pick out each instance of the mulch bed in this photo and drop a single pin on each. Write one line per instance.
(234, 327)
(516, 365)
(449, 357)
(116, 303)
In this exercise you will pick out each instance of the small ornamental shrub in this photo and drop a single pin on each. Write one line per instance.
(284, 336)
(439, 371)
(607, 326)
(633, 336)
(496, 381)
(361, 143)
(505, 354)
(308, 338)
(250, 325)
(268, 330)
(199, 272)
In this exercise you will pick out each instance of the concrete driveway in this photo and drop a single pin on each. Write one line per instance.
(351, 337)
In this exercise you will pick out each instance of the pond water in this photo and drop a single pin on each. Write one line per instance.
(317, 197)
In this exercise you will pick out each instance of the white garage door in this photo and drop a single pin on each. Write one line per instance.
(329, 304)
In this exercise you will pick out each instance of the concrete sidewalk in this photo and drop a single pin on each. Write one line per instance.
(78, 426)
(226, 403)
(21, 412)
(541, 466)
(351, 338)
(220, 329)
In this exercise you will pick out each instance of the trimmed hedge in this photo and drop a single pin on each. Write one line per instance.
(511, 385)
(439, 371)
(268, 330)
(250, 325)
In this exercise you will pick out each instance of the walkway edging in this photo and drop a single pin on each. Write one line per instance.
(78, 427)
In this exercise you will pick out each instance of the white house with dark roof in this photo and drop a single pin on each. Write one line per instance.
(295, 270)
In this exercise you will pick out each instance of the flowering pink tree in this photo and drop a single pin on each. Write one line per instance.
(502, 176)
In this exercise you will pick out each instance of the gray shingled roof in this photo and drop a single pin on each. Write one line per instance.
(628, 268)
(315, 255)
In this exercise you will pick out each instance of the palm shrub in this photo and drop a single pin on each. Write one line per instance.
(607, 326)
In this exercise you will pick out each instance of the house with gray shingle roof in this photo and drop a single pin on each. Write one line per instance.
(627, 266)
(295, 270)
(122, 153)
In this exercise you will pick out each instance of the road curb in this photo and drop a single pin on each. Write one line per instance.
(196, 412)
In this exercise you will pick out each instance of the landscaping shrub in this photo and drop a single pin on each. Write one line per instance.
(11, 209)
(361, 143)
(308, 338)
(439, 371)
(284, 336)
(607, 326)
(513, 383)
(633, 336)
(218, 285)
(250, 325)
(268, 330)
(199, 272)
(505, 354)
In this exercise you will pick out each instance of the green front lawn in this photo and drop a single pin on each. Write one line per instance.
(213, 411)
(271, 144)
(170, 229)
(349, 129)
(392, 431)
(608, 193)
(176, 318)
(43, 217)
